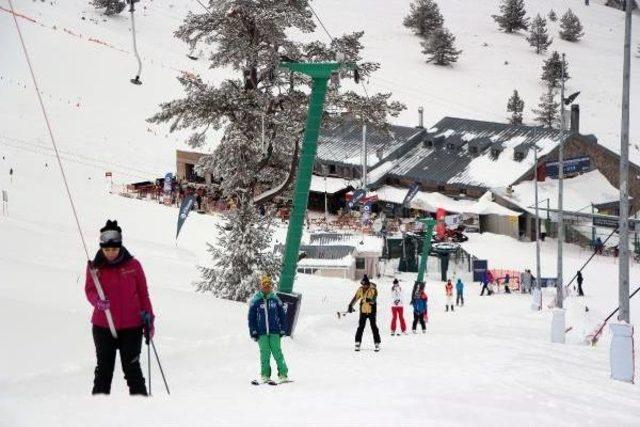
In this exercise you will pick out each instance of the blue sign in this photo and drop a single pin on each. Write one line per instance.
(168, 178)
(571, 166)
(479, 268)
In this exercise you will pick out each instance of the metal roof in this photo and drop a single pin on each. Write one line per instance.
(444, 156)
(341, 142)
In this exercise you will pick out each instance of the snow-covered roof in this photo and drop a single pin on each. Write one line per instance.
(431, 202)
(333, 185)
(448, 156)
(579, 193)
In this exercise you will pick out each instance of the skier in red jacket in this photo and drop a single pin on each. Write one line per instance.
(127, 298)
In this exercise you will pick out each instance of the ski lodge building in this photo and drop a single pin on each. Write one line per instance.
(469, 167)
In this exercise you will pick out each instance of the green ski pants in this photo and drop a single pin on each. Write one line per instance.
(270, 344)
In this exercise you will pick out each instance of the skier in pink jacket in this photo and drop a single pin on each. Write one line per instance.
(127, 298)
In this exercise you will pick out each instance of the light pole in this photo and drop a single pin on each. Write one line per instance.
(538, 275)
(558, 322)
(622, 358)
(559, 290)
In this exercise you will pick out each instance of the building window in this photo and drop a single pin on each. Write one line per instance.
(360, 264)
(441, 188)
(332, 169)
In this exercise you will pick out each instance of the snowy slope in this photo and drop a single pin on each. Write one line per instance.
(489, 363)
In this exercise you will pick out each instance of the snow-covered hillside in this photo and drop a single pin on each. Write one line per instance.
(493, 63)
(488, 363)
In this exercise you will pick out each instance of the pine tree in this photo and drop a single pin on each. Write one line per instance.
(441, 47)
(538, 36)
(512, 16)
(250, 38)
(570, 27)
(424, 18)
(112, 7)
(242, 254)
(552, 70)
(547, 113)
(515, 106)
(552, 16)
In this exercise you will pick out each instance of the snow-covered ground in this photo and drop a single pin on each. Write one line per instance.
(488, 363)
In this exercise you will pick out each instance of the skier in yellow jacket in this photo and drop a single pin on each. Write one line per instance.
(367, 294)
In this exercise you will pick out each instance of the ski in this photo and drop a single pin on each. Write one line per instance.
(270, 382)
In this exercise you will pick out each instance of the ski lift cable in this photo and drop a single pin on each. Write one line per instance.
(93, 272)
(355, 70)
(136, 79)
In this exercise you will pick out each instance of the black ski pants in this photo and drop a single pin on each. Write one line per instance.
(418, 318)
(374, 328)
(129, 342)
(459, 298)
(485, 287)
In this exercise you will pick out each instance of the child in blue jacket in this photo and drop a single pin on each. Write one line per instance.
(267, 320)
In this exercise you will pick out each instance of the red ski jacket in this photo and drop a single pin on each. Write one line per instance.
(125, 287)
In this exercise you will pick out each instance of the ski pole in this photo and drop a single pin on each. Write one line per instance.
(159, 365)
(149, 363)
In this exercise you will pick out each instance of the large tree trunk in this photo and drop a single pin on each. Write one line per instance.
(269, 195)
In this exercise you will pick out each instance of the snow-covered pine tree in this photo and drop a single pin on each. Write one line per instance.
(552, 70)
(570, 27)
(111, 7)
(515, 106)
(424, 18)
(512, 16)
(553, 17)
(538, 35)
(251, 38)
(440, 47)
(547, 113)
(241, 255)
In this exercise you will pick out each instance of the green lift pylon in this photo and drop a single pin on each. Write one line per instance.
(429, 224)
(320, 74)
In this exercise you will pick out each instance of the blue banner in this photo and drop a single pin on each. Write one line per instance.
(413, 190)
(185, 208)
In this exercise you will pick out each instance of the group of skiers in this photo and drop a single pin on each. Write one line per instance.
(367, 294)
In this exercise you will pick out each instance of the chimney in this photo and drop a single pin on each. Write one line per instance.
(575, 118)
(420, 117)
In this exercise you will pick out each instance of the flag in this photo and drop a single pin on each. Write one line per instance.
(413, 190)
(185, 208)
(357, 196)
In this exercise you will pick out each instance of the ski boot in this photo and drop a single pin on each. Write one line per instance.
(377, 348)
(357, 346)
(393, 333)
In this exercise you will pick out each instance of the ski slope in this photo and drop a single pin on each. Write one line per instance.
(488, 363)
